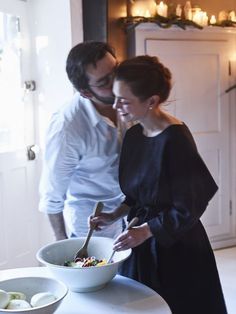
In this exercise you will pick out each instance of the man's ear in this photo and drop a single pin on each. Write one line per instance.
(85, 93)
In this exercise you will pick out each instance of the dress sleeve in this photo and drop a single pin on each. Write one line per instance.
(190, 187)
(129, 201)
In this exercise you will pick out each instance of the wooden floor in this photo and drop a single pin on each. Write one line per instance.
(226, 262)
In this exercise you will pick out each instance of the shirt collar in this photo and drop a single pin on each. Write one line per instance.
(94, 116)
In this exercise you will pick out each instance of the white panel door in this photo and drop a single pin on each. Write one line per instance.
(18, 188)
(200, 71)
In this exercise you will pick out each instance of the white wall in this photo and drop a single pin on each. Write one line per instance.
(76, 21)
(51, 24)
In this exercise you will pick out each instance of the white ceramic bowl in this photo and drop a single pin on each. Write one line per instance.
(32, 285)
(82, 279)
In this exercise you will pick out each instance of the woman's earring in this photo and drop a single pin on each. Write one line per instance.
(150, 108)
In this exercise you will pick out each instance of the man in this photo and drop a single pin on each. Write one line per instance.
(82, 146)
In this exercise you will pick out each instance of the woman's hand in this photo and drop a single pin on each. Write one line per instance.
(132, 237)
(101, 221)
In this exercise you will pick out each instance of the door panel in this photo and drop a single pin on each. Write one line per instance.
(200, 76)
(18, 189)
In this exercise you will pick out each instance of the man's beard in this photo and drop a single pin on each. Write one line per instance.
(106, 100)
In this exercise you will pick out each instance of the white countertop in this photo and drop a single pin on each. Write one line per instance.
(121, 295)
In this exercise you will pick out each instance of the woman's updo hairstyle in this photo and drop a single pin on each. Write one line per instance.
(146, 76)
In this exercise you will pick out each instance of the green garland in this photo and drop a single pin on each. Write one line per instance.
(225, 23)
(131, 22)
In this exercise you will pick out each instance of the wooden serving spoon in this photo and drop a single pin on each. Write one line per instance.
(83, 252)
(132, 223)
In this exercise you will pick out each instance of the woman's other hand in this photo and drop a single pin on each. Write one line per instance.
(132, 237)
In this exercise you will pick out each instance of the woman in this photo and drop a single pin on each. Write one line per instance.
(168, 187)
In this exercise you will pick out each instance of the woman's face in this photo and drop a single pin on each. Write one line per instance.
(128, 106)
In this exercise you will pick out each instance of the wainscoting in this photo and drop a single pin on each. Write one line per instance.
(226, 262)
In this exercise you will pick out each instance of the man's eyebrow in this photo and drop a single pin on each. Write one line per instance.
(104, 77)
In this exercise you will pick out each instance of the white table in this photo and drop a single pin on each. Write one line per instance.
(121, 295)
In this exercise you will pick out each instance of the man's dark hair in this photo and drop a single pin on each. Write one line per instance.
(80, 57)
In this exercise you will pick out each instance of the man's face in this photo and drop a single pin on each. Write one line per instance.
(100, 80)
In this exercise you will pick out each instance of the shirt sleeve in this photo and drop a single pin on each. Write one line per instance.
(191, 187)
(61, 157)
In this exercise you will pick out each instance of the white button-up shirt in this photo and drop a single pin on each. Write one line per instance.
(81, 166)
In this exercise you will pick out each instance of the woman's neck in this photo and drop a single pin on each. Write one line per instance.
(156, 121)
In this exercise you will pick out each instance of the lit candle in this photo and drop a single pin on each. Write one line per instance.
(162, 9)
(232, 16)
(223, 15)
(205, 18)
(178, 10)
(196, 15)
(188, 10)
(201, 18)
(195, 11)
(141, 7)
(137, 12)
(213, 19)
(147, 14)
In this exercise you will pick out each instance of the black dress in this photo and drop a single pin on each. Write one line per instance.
(167, 185)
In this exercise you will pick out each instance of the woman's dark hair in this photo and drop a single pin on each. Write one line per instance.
(80, 57)
(146, 76)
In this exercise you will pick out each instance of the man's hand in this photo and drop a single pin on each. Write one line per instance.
(107, 218)
(101, 221)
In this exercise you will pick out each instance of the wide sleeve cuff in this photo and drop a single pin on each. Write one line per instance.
(159, 232)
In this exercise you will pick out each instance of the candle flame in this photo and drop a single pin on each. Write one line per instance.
(213, 19)
(147, 13)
